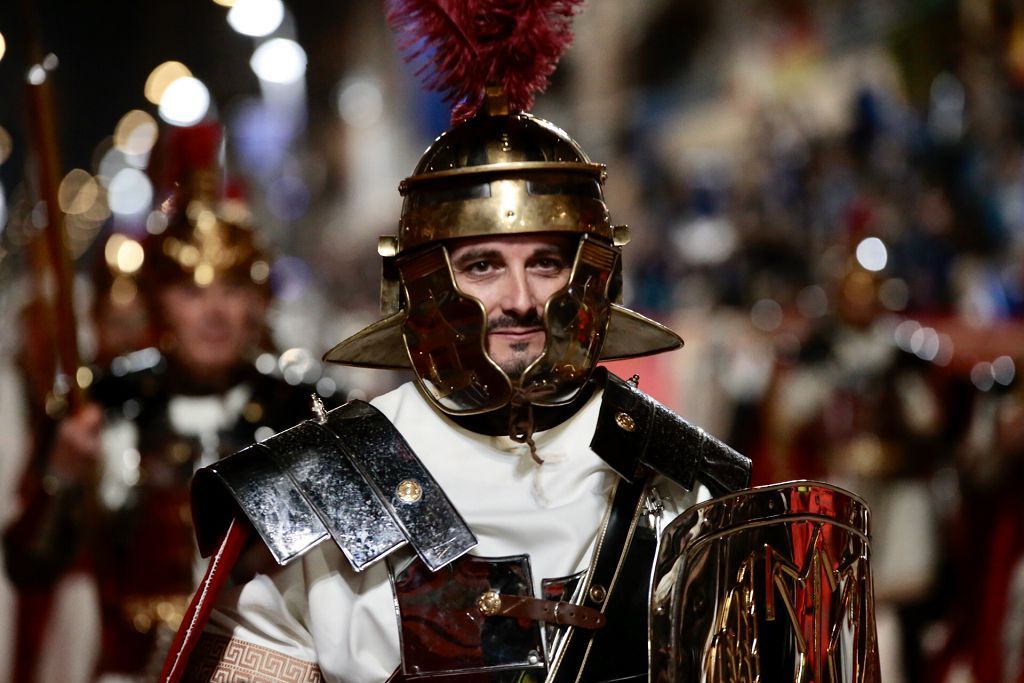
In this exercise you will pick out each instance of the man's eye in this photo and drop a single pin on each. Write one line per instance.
(478, 267)
(550, 265)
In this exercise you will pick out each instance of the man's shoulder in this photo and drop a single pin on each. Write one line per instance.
(400, 401)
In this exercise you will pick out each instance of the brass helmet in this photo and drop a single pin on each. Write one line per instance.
(201, 231)
(500, 173)
(199, 239)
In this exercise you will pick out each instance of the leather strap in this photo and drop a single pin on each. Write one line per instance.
(551, 611)
(636, 434)
(599, 584)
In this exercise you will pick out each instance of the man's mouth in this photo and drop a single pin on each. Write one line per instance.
(513, 333)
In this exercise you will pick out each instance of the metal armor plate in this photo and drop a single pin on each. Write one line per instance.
(445, 629)
(771, 584)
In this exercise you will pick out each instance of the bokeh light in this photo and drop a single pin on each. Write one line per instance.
(360, 102)
(256, 18)
(812, 301)
(904, 332)
(185, 102)
(110, 160)
(3, 46)
(135, 134)
(279, 60)
(1003, 370)
(36, 74)
(924, 343)
(297, 365)
(266, 363)
(982, 376)
(259, 272)
(326, 387)
(156, 222)
(872, 254)
(123, 254)
(130, 192)
(77, 193)
(894, 294)
(766, 315)
(161, 77)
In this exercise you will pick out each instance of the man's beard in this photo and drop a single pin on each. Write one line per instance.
(515, 367)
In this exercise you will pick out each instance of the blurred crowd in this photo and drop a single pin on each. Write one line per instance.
(838, 235)
(850, 289)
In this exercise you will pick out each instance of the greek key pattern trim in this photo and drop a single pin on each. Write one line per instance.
(220, 659)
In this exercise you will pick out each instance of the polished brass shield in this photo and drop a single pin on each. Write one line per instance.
(768, 584)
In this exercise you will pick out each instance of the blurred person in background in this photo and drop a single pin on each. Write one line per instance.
(980, 636)
(109, 498)
(854, 409)
(39, 616)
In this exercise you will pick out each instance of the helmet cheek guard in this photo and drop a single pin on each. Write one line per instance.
(445, 334)
(445, 338)
(576, 322)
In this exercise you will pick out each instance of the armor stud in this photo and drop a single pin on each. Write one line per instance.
(408, 491)
(598, 593)
(489, 603)
(625, 421)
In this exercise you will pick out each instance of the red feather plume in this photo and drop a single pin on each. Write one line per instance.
(466, 45)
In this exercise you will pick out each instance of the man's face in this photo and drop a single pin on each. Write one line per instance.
(212, 326)
(513, 276)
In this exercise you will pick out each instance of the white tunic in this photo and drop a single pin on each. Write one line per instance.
(319, 610)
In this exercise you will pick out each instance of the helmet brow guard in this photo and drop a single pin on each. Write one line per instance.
(500, 174)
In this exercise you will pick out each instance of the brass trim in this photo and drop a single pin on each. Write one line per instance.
(560, 167)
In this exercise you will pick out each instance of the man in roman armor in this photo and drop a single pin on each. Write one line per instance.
(497, 517)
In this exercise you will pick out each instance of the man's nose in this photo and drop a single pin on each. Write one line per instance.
(518, 295)
(211, 301)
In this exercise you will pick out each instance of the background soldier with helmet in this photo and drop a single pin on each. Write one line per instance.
(108, 498)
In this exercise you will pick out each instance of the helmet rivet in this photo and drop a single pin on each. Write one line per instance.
(625, 421)
(409, 491)
(510, 213)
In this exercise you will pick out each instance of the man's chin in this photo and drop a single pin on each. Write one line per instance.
(514, 369)
(207, 366)
(514, 359)
(515, 365)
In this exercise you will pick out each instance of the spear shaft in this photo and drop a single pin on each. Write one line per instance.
(42, 126)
